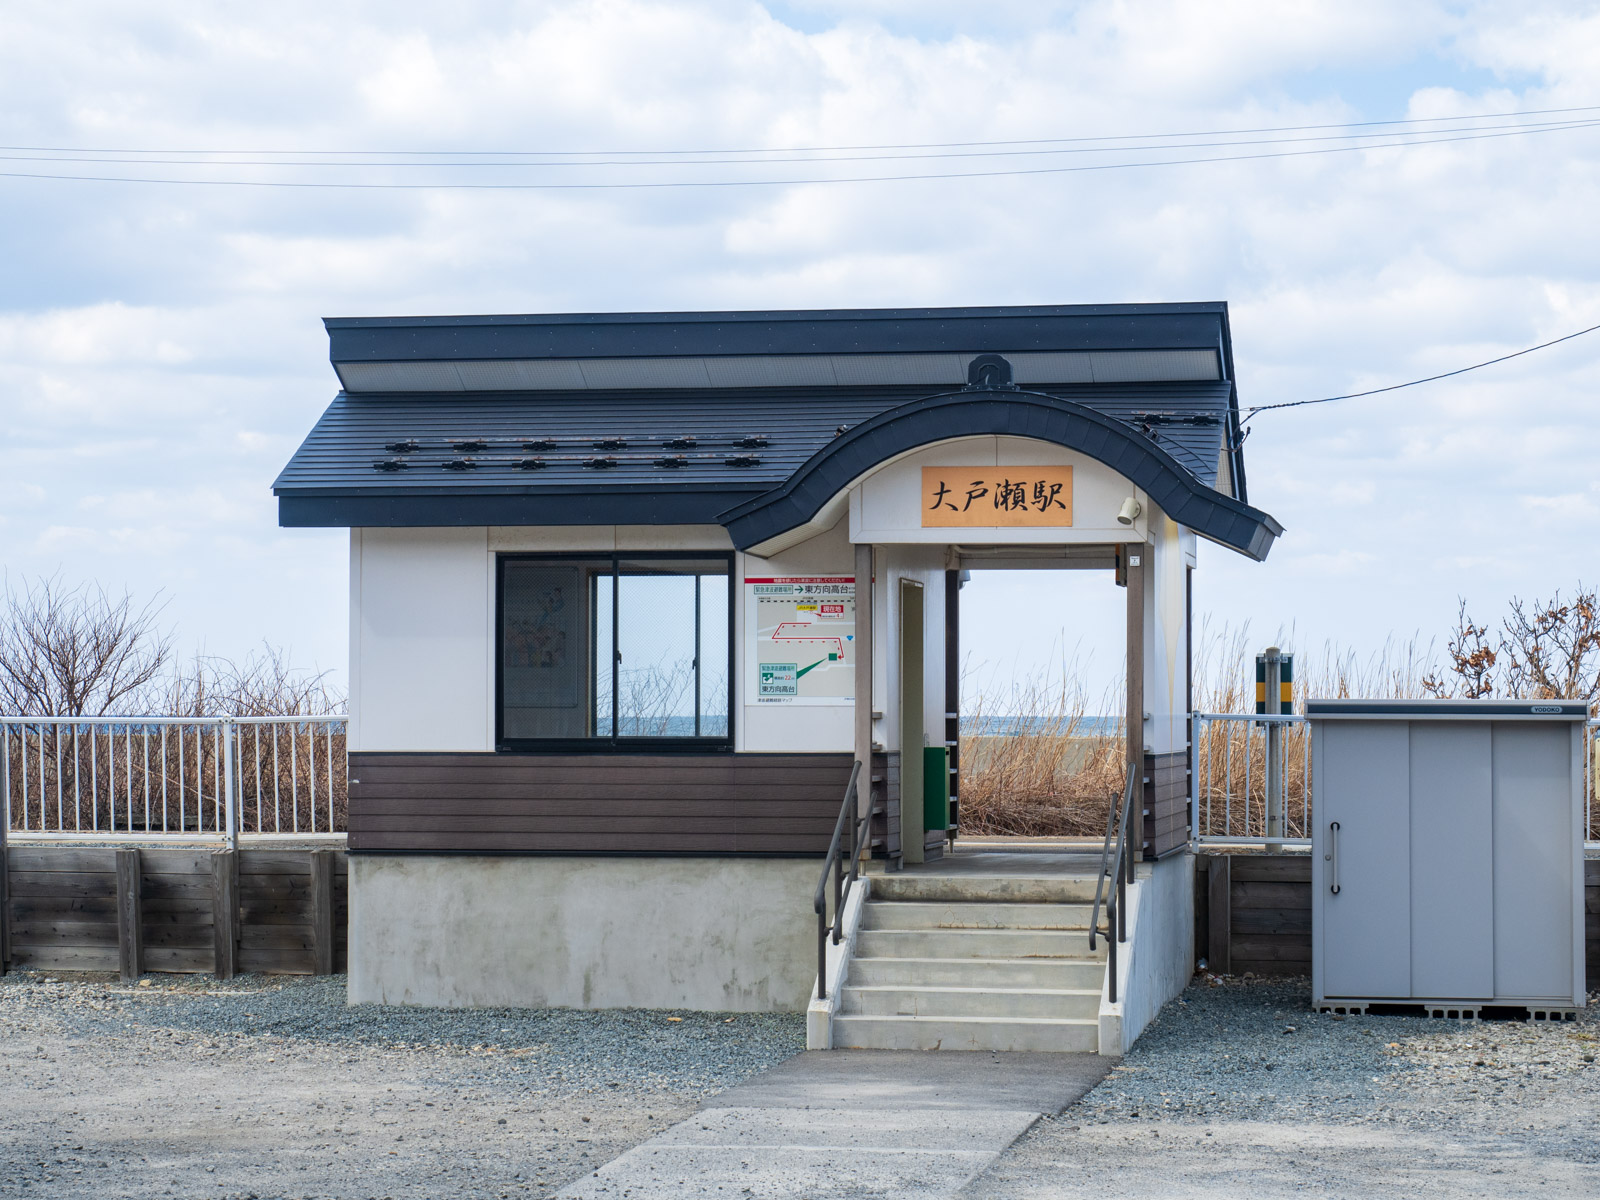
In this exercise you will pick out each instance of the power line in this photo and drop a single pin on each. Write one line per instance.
(1424, 140)
(1536, 112)
(1250, 413)
(326, 162)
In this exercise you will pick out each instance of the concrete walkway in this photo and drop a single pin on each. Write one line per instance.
(851, 1123)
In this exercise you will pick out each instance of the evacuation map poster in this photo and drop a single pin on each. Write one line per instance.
(802, 632)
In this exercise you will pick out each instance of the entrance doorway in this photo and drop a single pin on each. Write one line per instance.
(1037, 705)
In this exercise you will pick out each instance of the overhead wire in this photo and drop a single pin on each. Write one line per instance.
(1250, 413)
(327, 162)
(1536, 112)
(1425, 139)
(970, 149)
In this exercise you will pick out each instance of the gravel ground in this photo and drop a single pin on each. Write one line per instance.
(270, 1086)
(1238, 1087)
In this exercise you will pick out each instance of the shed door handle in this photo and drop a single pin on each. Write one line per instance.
(1332, 857)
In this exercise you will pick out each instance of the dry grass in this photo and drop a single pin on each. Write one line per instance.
(1045, 766)
(1230, 758)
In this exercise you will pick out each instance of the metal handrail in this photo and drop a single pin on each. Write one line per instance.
(1120, 866)
(835, 863)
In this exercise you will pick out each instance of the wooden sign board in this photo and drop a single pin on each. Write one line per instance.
(1027, 497)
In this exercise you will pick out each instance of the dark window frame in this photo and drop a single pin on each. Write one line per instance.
(614, 743)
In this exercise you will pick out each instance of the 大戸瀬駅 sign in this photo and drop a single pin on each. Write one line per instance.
(1006, 496)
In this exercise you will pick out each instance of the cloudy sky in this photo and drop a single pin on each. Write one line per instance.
(161, 353)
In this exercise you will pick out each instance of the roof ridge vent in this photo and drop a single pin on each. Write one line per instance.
(990, 371)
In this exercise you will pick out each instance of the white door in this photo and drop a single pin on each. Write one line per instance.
(1452, 861)
(1361, 859)
(1538, 926)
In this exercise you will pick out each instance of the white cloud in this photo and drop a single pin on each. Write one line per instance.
(160, 351)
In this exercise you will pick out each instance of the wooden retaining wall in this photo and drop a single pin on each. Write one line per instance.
(1253, 913)
(142, 909)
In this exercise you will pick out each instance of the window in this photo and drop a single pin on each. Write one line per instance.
(615, 650)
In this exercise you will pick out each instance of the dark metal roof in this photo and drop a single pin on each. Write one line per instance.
(822, 331)
(1451, 710)
(682, 452)
(1132, 454)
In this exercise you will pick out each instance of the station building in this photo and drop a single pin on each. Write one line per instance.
(631, 593)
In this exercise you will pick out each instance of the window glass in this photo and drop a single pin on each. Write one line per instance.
(602, 652)
(656, 653)
(715, 622)
(614, 649)
(545, 648)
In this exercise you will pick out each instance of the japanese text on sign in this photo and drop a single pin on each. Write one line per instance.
(1011, 496)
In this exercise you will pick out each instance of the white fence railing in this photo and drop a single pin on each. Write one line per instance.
(1229, 790)
(199, 777)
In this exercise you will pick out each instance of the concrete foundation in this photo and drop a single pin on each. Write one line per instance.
(1157, 960)
(713, 934)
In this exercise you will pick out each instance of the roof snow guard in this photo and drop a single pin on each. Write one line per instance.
(753, 420)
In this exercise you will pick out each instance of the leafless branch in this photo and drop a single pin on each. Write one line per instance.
(77, 651)
(1472, 661)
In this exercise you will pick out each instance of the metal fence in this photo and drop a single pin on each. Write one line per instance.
(1229, 789)
(206, 777)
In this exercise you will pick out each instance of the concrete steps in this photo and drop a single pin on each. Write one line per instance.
(888, 1000)
(1019, 973)
(974, 962)
(940, 914)
(985, 889)
(966, 1033)
(975, 943)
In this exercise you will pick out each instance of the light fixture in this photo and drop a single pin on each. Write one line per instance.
(1130, 510)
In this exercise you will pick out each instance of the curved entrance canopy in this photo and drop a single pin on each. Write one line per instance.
(1002, 411)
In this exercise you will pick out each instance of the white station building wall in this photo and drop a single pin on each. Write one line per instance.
(422, 636)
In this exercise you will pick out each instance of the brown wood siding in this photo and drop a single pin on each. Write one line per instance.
(1166, 803)
(747, 804)
(884, 833)
(63, 909)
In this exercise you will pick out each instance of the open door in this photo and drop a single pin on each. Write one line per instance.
(913, 734)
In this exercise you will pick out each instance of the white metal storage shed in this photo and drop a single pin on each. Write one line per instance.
(1447, 853)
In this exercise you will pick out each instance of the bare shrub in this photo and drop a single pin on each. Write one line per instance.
(1543, 650)
(263, 685)
(1472, 661)
(77, 651)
